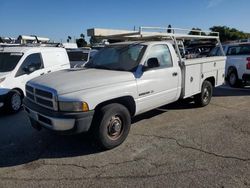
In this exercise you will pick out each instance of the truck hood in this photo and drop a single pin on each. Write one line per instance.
(73, 80)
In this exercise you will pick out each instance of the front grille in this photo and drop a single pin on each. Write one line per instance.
(44, 93)
(30, 96)
(42, 96)
(30, 89)
(44, 102)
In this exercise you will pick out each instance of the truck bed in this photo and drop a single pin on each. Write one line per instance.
(195, 71)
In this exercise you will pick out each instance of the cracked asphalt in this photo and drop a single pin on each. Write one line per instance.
(177, 145)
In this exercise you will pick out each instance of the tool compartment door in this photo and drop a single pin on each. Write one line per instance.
(192, 79)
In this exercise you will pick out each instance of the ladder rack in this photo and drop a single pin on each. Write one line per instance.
(151, 33)
(155, 33)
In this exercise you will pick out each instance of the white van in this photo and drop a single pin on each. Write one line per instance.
(20, 64)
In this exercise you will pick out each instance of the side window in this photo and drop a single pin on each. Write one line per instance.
(234, 50)
(33, 60)
(162, 53)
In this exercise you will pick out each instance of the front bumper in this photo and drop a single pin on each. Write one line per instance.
(63, 122)
(2, 100)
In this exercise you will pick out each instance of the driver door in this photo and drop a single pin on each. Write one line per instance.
(158, 85)
(33, 60)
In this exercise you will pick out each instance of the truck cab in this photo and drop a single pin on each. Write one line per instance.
(20, 64)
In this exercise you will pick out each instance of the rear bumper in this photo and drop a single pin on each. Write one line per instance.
(62, 122)
(246, 77)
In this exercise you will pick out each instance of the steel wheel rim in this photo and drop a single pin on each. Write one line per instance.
(232, 78)
(115, 127)
(16, 101)
(206, 94)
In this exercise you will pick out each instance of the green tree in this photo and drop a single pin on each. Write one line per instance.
(81, 42)
(229, 34)
(69, 39)
(196, 32)
(95, 40)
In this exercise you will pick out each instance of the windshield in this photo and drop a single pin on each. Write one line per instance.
(78, 56)
(8, 61)
(118, 57)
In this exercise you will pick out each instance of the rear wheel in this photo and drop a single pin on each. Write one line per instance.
(233, 79)
(113, 125)
(14, 101)
(203, 99)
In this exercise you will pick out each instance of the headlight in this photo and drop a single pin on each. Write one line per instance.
(2, 79)
(73, 106)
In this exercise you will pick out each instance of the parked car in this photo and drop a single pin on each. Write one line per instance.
(121, 81)
(20, 64)
(78, 57)
(237, 64)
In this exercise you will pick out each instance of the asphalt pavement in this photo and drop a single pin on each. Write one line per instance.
(178, 145)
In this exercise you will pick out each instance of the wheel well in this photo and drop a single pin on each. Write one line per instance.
(211, 80)
(127, 101)
(20, 91)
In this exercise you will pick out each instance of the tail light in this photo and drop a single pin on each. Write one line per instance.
(248, 63)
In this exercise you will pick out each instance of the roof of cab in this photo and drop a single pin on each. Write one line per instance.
(23, 49)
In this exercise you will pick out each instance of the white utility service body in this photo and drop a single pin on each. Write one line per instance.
(14, 73)
(103, 90)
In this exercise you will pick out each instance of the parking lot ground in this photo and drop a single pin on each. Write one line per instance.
(177, 145)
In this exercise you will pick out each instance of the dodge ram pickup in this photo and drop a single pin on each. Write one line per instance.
(121, 81)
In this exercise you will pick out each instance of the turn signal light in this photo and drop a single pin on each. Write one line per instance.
(85, 107)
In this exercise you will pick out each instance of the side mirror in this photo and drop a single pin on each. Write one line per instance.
(29, 69)
(153, 63)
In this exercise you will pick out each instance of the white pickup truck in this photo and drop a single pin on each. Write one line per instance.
(22, 63)
(121, 81)
(237, 64)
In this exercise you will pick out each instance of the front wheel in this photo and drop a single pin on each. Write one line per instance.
(14, 101)
(203, 99)
(113, 126)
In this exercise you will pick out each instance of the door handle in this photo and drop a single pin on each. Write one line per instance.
(42, 74)
(175, 74)
(49, 71)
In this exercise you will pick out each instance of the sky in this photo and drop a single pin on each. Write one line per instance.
(58, 19)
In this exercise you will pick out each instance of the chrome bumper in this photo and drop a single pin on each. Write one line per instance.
(56, 124)
(64, 122)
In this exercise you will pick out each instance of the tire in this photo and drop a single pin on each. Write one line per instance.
(203, 99)
(112, 125)
(233, 79)
(14, 102)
